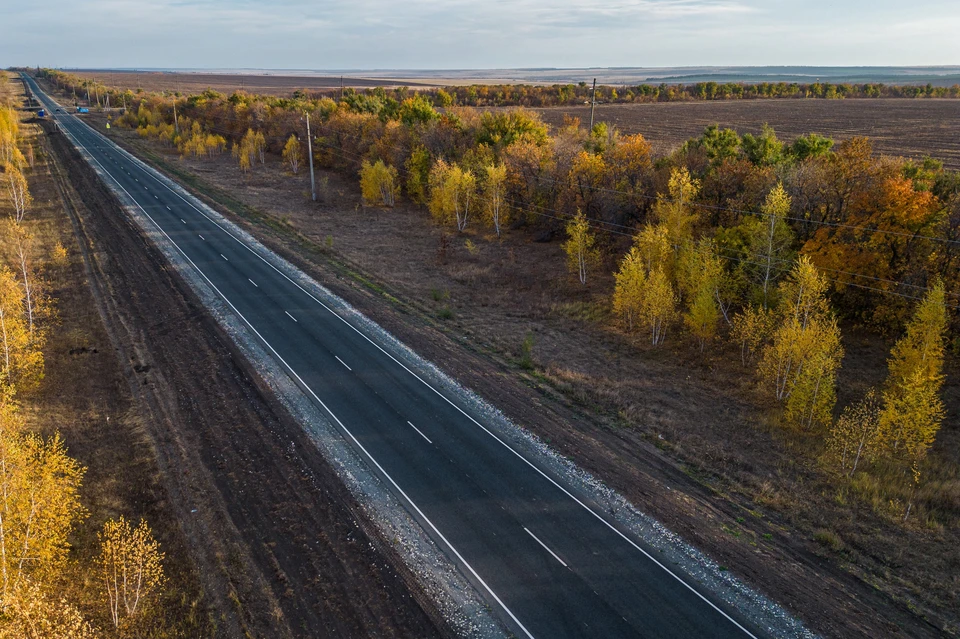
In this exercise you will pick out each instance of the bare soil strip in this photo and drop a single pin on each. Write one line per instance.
(281, 547)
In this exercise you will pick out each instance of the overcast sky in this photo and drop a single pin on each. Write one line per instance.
(474, 34)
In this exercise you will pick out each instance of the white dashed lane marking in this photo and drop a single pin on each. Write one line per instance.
(553, 554)
(421, 433)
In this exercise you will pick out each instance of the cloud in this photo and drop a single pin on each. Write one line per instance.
(478, 33)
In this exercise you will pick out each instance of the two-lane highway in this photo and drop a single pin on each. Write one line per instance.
(547, 562)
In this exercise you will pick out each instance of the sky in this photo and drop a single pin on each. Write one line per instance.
(476, 34)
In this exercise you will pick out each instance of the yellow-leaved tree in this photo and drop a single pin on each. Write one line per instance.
(494, 191)
(18, 191)
(701, 277)
(629, 288)
(856, 436)
(752, 328)
(378, 183)
(769, 240)
(799, 365)
(39, 503)
(21, 355)
(30, 613)
(659, 307)
(653, 243)
(579, 247)
(674, 212)
(131, 566)
(452, 191)
(292, 153)
(912, 408)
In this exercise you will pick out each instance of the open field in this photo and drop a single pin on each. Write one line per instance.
(266, 83)
(910, 128)
(938, 76)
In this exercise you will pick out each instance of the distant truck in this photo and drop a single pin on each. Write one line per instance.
(83, 110)
(41, 113)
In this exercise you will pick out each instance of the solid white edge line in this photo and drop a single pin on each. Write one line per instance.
(344, 363)
(326, 408)
(289, 315)
(446, 399)
(419, 431)
(545, 547)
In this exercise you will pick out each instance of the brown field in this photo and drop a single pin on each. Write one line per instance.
(266, 83)
(909, 128)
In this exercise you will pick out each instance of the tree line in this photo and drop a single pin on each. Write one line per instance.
(746, 239)
(40, 484)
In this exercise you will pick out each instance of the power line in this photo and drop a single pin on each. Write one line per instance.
(560, 216)
(565, 218)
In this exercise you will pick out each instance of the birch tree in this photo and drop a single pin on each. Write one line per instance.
(131, 570)
(18, 191)
(494, 190)
(912, 408)
(752, 327)
(701, 277)
(292, 152)
(452, 194)
(658, 308)
(856, 435)
(31, 613)
(28, 292)
(674, 212)
(799, 365)
(378, 183)
(39, 503)
(579, 247)
(629, 288)
(777, 236)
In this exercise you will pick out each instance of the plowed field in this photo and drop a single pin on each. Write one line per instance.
(911, 128)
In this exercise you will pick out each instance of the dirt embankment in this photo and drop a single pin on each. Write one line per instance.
(676, 432)
(281, 548)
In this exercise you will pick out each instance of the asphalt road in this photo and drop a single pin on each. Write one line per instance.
(548, 564)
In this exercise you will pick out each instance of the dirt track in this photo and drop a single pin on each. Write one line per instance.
(282, 548)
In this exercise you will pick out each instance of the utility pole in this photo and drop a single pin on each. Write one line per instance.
(593, 103)
(176, 122)
(313, 184)
(341, 88)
